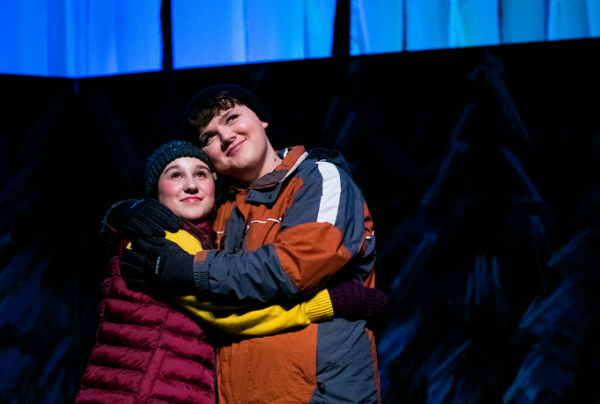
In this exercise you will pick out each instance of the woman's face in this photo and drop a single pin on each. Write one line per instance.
(186, 186)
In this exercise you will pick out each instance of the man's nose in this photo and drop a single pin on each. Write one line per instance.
(227, 137)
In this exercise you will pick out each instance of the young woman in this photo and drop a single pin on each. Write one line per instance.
(149, 347)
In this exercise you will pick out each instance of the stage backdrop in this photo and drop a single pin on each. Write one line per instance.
(481, 167)
(84, 38)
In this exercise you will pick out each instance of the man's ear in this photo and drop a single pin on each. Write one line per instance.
(265, 124)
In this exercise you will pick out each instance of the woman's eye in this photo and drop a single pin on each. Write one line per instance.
(232, 118)
(175, 175)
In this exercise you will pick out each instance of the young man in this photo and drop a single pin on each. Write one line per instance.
(289, 224)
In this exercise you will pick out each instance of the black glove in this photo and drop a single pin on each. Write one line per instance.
(353, 301)
(158, 262)
(145, 218)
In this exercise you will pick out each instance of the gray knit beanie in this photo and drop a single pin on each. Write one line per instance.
(164, 155)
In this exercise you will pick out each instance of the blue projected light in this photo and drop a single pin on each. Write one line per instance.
(23, 41)
(74, 38)
(207, 33)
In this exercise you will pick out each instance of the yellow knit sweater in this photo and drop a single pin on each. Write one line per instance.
(242, 319)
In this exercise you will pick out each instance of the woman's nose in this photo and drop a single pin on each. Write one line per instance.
(191, 186)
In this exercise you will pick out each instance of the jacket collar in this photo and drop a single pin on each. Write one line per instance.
(291, 159)
(266, 189)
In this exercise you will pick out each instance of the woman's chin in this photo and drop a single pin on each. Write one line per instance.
(194, 218)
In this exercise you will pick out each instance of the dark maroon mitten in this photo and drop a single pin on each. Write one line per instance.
(353, 301)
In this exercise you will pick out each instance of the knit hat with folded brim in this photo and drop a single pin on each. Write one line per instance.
(167, 153)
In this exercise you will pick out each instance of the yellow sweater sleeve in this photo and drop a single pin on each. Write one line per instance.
(243, 320)
(271, 319)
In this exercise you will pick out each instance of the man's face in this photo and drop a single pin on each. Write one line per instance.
(236, 143)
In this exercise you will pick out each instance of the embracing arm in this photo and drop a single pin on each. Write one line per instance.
(242, 319)
(350, 300)
(265, 321)
(325, 229)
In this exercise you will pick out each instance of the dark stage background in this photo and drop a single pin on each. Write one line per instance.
(481, 167)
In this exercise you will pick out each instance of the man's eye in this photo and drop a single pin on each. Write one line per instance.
(231, 118)
(206, 138)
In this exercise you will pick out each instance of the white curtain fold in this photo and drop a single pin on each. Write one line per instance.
(24, 47)
(209, 33)
(567, 19)
(426, 24)
(473, 23)
(376, 26)
(524, 21)
(593, 17)
(80, 38)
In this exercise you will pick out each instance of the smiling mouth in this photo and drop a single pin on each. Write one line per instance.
(191, 199)
(234, 149)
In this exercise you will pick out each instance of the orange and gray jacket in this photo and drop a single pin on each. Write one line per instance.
(290, 234)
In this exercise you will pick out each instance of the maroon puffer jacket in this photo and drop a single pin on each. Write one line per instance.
(145, 351)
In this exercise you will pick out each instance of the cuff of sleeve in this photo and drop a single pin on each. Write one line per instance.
(200, 273)
(319, 308)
